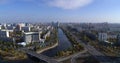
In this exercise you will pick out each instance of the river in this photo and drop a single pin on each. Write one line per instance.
(63, 44)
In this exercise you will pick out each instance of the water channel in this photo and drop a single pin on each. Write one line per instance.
(63, 44)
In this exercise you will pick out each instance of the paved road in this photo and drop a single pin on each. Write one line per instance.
(73, 59)
(95, 53)
(72, 56)
(39, 56)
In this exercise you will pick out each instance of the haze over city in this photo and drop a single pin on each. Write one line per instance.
(93, 11)
(59, 31)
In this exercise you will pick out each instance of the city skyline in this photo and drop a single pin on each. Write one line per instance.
(93, 11)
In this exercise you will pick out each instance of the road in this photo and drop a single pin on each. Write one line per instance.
(95, 53)
(71, 56)
(80, 54)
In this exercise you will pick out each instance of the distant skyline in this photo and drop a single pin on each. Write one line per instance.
(94, 11)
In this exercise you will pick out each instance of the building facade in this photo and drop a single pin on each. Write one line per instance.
(118, 38)
(26, 29)
(102, 36)
(5, 35)
(30, 37)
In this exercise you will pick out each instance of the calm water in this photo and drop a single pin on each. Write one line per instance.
(64, 43)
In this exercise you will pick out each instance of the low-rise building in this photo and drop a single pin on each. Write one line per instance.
(112, 35)
(114, 29)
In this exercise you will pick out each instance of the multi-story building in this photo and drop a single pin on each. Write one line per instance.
(32, 37)
(10, 27)
(26, 29)
(19, 27)
(102, 36)
(46, 35)
(0, 27)
(5, 35)
(118, 38)
(21, 24)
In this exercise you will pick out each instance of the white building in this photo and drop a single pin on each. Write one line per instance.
(0, 27)
(21, 24)
(46, 35)
(102, 36)
(48, 28)
(32, 37)
(5, 35)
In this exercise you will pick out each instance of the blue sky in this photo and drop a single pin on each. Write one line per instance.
(60, 10)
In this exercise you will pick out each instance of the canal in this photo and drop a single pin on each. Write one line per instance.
(63, 44)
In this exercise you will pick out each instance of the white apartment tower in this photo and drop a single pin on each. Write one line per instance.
(102, 36)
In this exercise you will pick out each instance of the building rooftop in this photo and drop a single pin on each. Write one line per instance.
(31, 32)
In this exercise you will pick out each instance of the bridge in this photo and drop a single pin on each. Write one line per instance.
(39, 56)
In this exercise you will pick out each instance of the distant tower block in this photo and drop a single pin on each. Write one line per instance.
(118, 38)
(58, 24)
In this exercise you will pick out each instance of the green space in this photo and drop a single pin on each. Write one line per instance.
(8, 51)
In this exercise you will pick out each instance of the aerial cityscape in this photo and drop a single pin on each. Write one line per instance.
(59, 31)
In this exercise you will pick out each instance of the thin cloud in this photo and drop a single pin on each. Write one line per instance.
(69, 4)
(63, 4)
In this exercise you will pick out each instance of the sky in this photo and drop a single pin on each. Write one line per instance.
(79, 11)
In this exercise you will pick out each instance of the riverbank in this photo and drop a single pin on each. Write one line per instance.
(48, 48)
